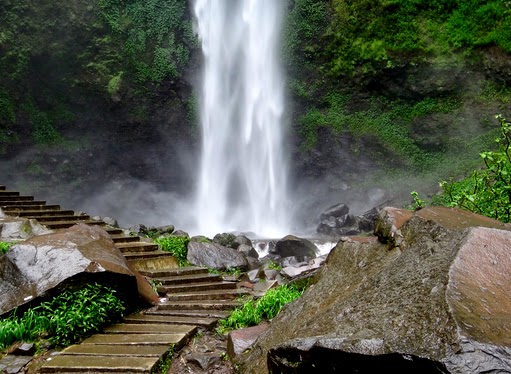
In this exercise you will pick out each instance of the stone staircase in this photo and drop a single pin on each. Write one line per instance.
(192, 298)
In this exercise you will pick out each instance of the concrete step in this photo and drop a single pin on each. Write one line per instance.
(207, 295)
(114, 230)
(99, 364)
(62, 217)
(54, 225)
(8, 193)
(188, 278)
(137, 247)
(138, 339)
(192, 287)
(187, 270)
(116, 350)
(21, 203)
(144, 255)
(149, 328)
(218, 314)
(121, 238)
(207, 322)
(14, 209)
(200, 305)
(44, 213)
(15, 198)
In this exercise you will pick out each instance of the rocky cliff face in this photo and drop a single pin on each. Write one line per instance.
(437, 303)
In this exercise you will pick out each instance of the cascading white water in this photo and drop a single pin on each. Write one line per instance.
(243, 171)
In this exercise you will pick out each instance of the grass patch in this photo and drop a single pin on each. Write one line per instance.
(65, 319)
(267, 307)
(177, 245)
(4, 247)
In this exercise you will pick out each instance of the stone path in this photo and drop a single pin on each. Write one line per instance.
(193, 298)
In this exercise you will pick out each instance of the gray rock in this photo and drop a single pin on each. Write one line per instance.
(337, 210)
(293, 246)
(21, 228)
(11, 364)
(215, 256)
(34, 267)
(241, 239)
(111, 221)
(226, 239)
(248, 250)
(441, 305)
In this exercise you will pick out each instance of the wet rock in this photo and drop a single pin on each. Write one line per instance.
(336, 211)
(292, 245)
(12, 364)
(240, 340)
(180, 233)
(248, 250)
(81, 253)
(441, 305)
(25, 349)
(204, 361)
(215, 256)
(241, 239)
(111, 221)
(20, 228)
(389, 223)
(225, 239)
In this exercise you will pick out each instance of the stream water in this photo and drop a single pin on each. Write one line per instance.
(243, 170)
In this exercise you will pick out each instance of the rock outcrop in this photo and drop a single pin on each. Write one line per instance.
(216, 256)
(440, 302)
(43, 264)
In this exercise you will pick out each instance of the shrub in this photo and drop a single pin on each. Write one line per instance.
(267, 307)
(177, 245)
(66, 319)
(486, 191)
(4, 247)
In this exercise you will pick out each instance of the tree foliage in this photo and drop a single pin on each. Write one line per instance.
(486, 191)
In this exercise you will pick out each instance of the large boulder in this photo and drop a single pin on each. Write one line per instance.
(215, 256)
(291, 245)
(46, 263)
(14, 228)
(441, 302)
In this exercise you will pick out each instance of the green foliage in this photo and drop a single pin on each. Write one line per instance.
(368, 35)
(177, 245)
(155, 35)
(66, 319)
(388, 122)
(267, 307)
(487, 191)
(4, 247)
(418, 203)
(44, 123)
(114, 84)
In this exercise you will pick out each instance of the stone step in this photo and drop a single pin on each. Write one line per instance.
(114, 230)
(218, 314)
(192, 287)
(188, 278)
(14, 209)
(62, 217)
(99, 364)
(207, 295)
(187, 270)
(15, 198)
(54, 225)
(116, 350)
(138, 247)
(21, 203)
(200, 305)
(44, 213)
(144, 254)
(138, 339)
(8, 193)
(207, 322)
(121, 238)
(2, 187)
(149, 328)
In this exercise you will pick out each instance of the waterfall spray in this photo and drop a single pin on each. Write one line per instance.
(243, 171)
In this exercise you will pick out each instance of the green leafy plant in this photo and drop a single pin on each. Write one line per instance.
(4, 247)
(177, 245)
(486, 191)
(418, 203)
(267, 307)
(65, 319)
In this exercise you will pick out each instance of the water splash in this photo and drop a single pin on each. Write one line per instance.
(243, 172)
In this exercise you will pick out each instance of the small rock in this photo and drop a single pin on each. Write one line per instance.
(238, 341)
(26, 349)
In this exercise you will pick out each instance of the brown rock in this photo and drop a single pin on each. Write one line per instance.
(238, 341)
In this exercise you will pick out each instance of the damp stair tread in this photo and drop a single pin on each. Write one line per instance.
(99, 364)
(191, 313)
(193, 278)
(187, 270)
(205, 321)
(121, 238)
(195, 287)
(145, 254)
(22, 204)
(149, 328)
(200, 305)
(115, 350)
(44, 213)
(228, 294)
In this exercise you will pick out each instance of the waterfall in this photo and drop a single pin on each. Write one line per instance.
(243, 170)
